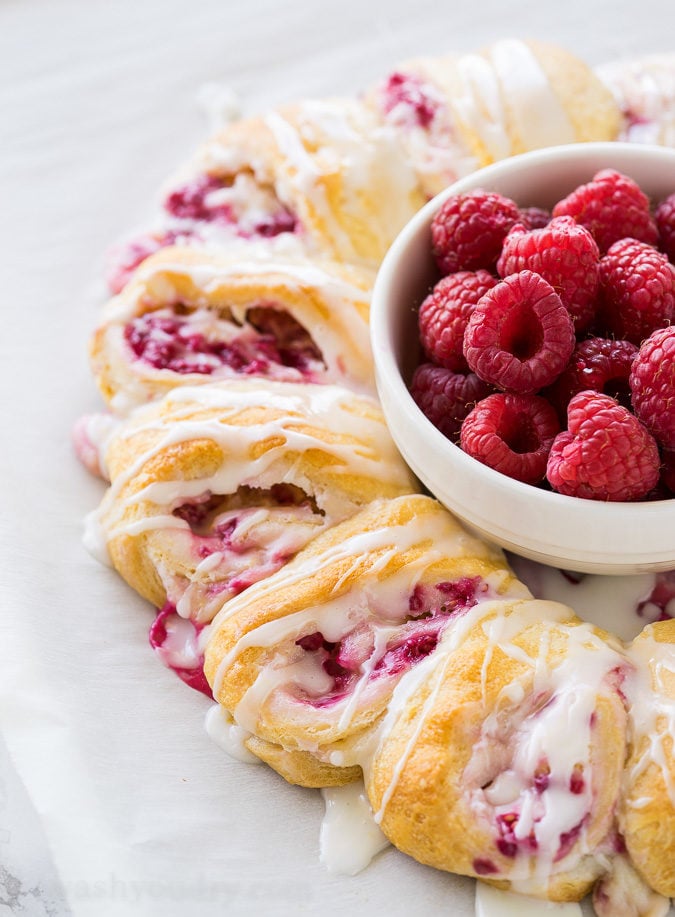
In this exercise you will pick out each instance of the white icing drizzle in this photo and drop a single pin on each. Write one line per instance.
(228, 735)
(644, 89)
(349, 837)
(569, 688)
(538, 115)
(509, 81)
(344, 139)
(652, 709)
(321, 410)
(492, 902)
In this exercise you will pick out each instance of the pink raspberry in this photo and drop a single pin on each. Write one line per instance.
(665, 222)
(611, 206)
(597, 363)
(637, 286)
(520, 335)
(445, 312)
(563, 253)
(605, 453)
(512, 434)
(445, 397)
(468, 230)
(652, 384)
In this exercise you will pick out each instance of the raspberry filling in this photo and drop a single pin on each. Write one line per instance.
(238, 202)
(355, 656)
(182, 340)
(175, 640)
(409, 100)
(221, 522)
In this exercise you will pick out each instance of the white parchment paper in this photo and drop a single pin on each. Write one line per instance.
(129, 809)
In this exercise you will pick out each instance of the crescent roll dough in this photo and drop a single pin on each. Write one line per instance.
(215, 487)
(501, 756)
(455, 114)
(306, 661)
(644, 89)
(190, 317)
(648, 810)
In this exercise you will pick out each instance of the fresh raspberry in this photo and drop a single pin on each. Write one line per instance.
(611, 207)
(664, 216)
(468, 230)
(512, 434)
(534, 217)
(520, 336)
(445, 398)
(597, 363)
(445, 312)
(605, 453)
(563, 253)
(637, 286)
(652, 384)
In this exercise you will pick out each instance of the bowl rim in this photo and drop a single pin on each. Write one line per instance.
(389, 375)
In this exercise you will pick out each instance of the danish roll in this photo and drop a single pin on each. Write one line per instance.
(320, 177)
(215, 487)
(190, 317)
(648, 805)
(455, 114)
(644, 89)
(306, 661)
(501, 755)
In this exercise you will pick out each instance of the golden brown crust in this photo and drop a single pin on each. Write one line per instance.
(330, 301)
(648, 809)
(429, 777)
(589, 104)
(329, 443)
(335, 582)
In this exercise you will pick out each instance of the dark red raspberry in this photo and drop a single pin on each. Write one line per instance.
(520, 336)
(652, 384)
(445, 312)
(563, 253)
(512, 434)
(445, 398)
(534, 217)
(668, 470)
(637, 286)
(600, 364)
(664, 216)
(605, 453)
(611, 206)
(468, 230)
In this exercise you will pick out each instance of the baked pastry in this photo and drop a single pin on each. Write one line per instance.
(515, 727)
(322, 177)
(644, 89)
(215, 487)
(306, 661)
(455, 114)
(190, 317)
(358, 627)
(648, 803)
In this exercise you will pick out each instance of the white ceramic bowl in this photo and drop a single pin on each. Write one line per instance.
(582, 535)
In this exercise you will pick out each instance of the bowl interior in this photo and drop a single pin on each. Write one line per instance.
(582, 535)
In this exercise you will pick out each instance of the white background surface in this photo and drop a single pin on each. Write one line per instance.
(138, 813)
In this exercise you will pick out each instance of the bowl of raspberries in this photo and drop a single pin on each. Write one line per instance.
(523, 330)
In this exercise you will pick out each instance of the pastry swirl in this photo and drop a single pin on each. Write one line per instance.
(215, 487)
(191, 318)
(307, 660)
